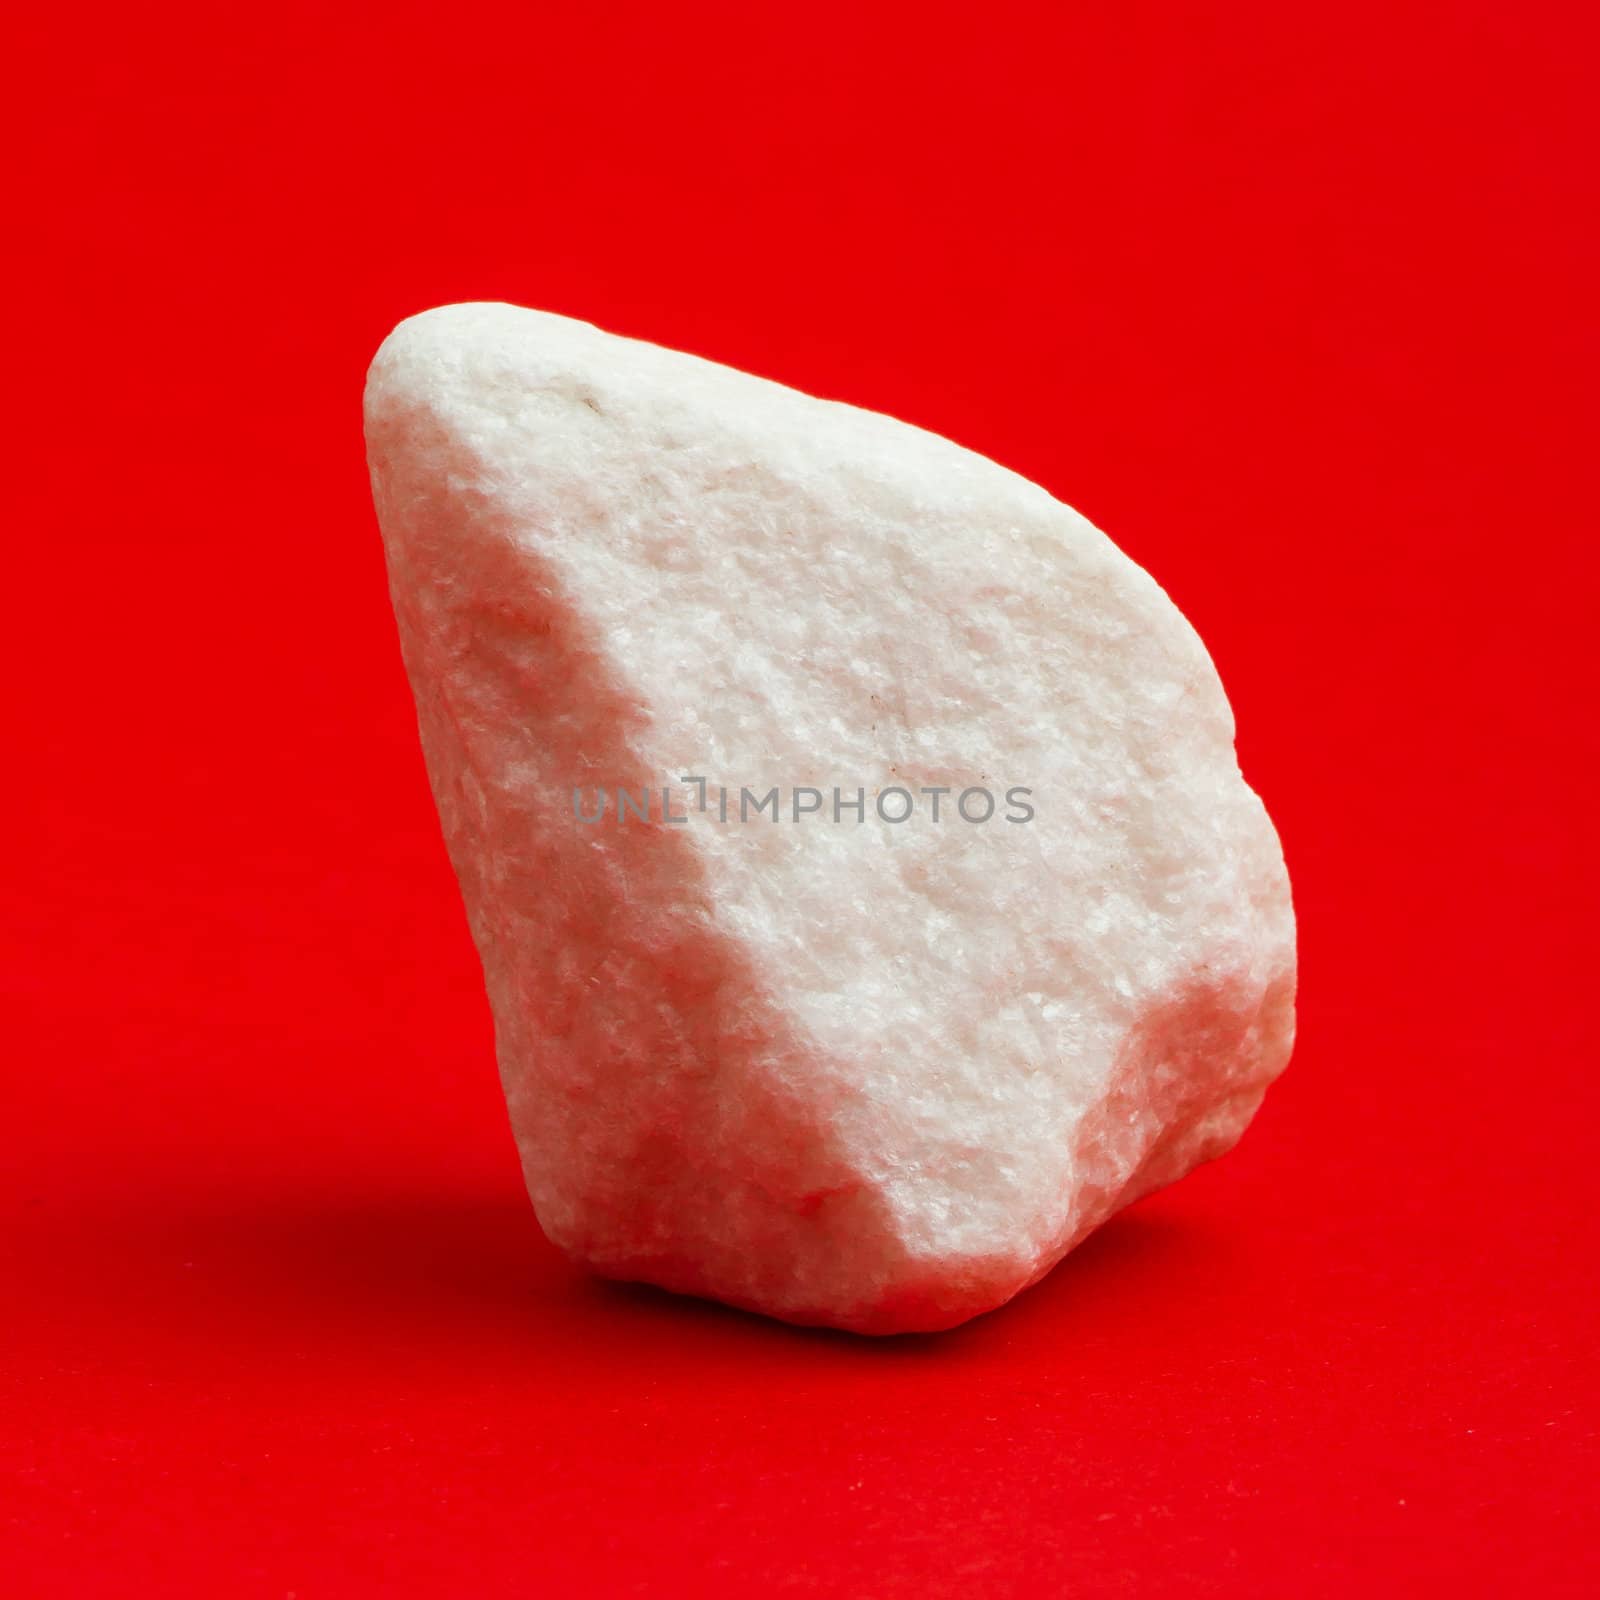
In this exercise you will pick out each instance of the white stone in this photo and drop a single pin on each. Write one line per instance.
(870, 1074)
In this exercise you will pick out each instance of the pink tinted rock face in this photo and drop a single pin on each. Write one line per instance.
(841, 1068)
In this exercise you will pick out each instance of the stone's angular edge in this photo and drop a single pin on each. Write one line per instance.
(735, 1145)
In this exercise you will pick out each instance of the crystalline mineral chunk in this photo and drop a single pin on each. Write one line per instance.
(1010, 946)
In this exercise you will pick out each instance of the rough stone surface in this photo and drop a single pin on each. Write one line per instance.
(871, 1074)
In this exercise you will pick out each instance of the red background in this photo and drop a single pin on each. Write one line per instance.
(1296, 303)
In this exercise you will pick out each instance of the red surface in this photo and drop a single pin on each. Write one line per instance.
(1299, 306)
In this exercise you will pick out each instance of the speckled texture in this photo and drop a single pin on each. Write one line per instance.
(870, 1075)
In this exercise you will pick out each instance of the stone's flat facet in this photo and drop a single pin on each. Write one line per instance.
(870, 1073)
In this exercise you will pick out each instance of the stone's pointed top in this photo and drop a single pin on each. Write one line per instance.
(489, 335)
(491, 328)
(832, 1057)
(486, 358)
